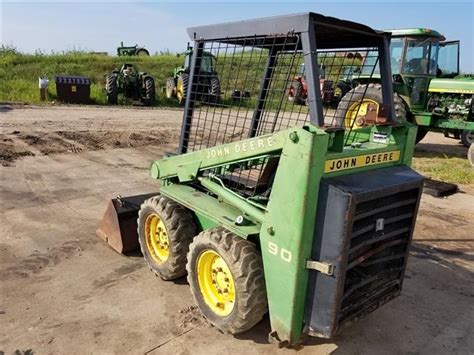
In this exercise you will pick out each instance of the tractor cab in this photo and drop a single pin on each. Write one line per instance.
(207, 62)
(418, 56)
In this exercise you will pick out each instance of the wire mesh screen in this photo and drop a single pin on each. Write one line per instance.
(253, 86)
(245, 87)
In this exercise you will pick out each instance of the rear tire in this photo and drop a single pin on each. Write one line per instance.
(150, 92)
(111, 88)
(142, 52)
(242, 301)
(467, 137)
(372, 92)
(164, 245)
(170, 88)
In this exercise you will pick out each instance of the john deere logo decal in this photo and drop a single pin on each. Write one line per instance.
(360, 161)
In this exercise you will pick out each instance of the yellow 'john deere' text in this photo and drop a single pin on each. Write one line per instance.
(360, 161)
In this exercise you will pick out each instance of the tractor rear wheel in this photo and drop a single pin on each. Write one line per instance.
(467, 137)
(165, 229)
(170, 88)
(182, 87)
(111, 88)
(225, 273)
(142, 52)
(355, 104)
(149, 86)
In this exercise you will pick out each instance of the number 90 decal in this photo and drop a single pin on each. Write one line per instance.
(284, 254)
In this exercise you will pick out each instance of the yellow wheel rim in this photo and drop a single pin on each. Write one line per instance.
(179, 90)
(216, 283)
(157, 240)
(358, 111)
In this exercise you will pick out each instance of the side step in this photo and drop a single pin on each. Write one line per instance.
(439, 188)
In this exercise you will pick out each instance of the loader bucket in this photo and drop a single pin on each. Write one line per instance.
(118, 227)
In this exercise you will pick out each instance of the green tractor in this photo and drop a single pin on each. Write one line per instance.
(208, 88)
(271, 208)
(131, 50)
(132, 84)
(429, 89)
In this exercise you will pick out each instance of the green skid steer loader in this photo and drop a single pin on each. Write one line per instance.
(275, 207)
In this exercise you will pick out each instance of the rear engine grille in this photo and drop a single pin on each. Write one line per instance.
(363, 228)
(378, 246)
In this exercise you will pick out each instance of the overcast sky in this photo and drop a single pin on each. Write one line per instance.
(100, 26)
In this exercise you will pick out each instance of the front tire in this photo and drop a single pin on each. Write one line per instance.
(296, 93)
(165, 229)
(182, 88)
(170, 88)
(225, 273)
(111, 88)
(150, 92)
(467, 137)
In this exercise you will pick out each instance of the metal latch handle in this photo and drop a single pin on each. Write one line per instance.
(322, 267)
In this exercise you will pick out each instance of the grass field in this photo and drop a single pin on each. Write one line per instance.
(444, 167)
(19, 72)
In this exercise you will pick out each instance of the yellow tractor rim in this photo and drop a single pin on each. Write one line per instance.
(179, 90)
(216, 283)
(357, 111)
(157, 240)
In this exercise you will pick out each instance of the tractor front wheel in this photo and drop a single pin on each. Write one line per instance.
(165, 230)
(111, 88)
(467, 137)
(182, 88)
(295, 93)
(225, 273)
(170, 88)
(149, 87)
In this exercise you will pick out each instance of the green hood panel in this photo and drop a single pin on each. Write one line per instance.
(455, 86)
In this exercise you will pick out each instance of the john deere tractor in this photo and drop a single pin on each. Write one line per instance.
(208, 86)
(429, 90)
(132, 50)
(132, 84)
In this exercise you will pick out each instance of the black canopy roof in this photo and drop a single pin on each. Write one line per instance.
(330, 32)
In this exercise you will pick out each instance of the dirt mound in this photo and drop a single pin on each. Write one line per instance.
(16, 144)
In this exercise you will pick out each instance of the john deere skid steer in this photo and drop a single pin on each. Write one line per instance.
(274, 207)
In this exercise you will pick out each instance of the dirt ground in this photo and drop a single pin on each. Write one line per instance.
(64, 291)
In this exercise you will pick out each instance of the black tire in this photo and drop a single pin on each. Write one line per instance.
(111, 88)
(150, 92)
(420, 134)
(245, 264)
(180, 228)
(467, 137)
(374, 92)
(296, 95)
(170, 88)
(183, 80)
(215, 86)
